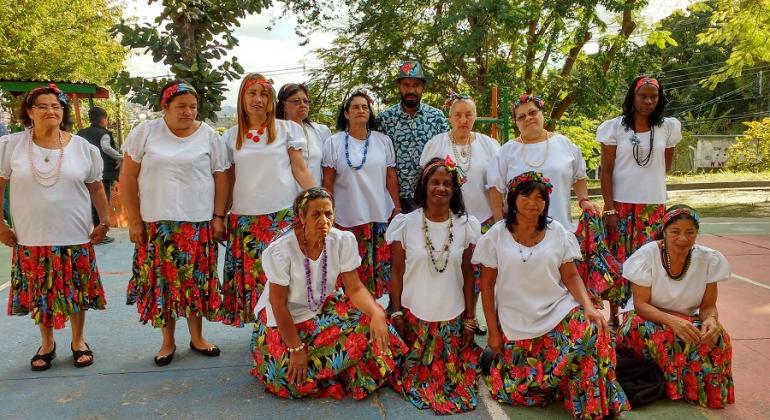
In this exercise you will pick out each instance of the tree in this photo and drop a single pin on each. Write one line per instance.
(193, 38)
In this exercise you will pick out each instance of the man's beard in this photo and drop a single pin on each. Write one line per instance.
(411, 101)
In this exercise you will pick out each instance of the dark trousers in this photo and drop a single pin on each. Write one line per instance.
(107, 189)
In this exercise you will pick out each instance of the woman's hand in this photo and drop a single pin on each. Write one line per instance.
(596, 317)
(685, 330)
(400, 325)
(495, 340)
(588, 205)
(709, 331)
(218, 231)
(611, 223)
(468, 337)
(137, 233)
(7, 236)
(298, 367)
(378, 333)
(98, 234)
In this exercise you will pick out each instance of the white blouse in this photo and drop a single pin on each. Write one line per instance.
(56, 215)
(530, 297)
(645, 268)
(430, 295)
(283, 262)
(361, 196)
(483, 151)
(632, 183)
(564, 165)
(317, 134)
(175, 179)
(264, 182)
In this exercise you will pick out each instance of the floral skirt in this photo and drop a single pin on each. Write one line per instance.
(485, 226)
(637, 225)
(340, 358)
(436, 373)
(599, 269)
(175, 273)
(698, 374)
(572, 363)
(244, 279)
(374, 270)
(54, 282)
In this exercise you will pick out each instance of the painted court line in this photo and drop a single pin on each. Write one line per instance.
(492, 406)
(741, 278)
(4, 285)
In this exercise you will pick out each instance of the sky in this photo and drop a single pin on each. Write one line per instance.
(277, 53)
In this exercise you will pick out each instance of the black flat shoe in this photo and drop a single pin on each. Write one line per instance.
(165, 360)
(481, 330)
(77, 354)
(212, 352)
(46, 357)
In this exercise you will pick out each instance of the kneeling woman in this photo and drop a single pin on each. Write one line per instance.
(308, 339)
(554, 345)
(675, 324)
(432, 296)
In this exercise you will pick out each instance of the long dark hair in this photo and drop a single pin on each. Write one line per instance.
(655, 119)
(342, 122)
(525, 188)
(287, 91)
(456, 203)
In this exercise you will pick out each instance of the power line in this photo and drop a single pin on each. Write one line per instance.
(728, 117)
(717, 99)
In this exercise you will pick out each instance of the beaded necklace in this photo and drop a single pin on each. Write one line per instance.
(429, 244)
(347, 150)
(465, 153)
(524, 152)
(255, 135)
(636, 141)
(311, 301)
(43, 178)
(521, 251)
(667, 262)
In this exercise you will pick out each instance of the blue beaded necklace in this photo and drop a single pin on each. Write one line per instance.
(347, 150)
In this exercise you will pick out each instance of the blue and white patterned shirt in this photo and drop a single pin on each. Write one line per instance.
(409, 135)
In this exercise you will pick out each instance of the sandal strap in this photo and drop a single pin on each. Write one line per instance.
(47, 357)
(77, 354)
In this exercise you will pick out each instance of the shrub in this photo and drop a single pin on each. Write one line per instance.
(752, 151)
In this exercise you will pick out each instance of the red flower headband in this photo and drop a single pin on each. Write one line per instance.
(646, 81)
(173, 90)
(531, 176)
(453, 97)
(450, 166)
(61, 96)
(678, 212)
(266, 85)
(527, 97)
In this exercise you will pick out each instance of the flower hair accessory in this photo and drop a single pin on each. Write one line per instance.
(174, 90)
(265, 84)
(61, 96)
(526, 97)
(453, 96)
(361, 91)
(645, 80)
(678, 212)
(450, 166)
(531, 176)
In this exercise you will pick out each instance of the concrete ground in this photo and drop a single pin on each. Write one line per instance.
(124, 382)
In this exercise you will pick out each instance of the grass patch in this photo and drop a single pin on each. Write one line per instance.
(705, 177)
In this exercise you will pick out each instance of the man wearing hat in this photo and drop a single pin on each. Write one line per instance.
(410, 124)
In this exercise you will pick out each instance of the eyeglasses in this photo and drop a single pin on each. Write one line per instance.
(523, 116)
(46, 108)
(297, 102)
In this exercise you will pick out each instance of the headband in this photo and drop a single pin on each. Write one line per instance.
(61, 96)
(173, 90)
(678, 212)
(266, 84)
(531, 176)
(361, 91)
(450, 166)
(302, 203)
(646, 81)
(526, 97)
(453, 97)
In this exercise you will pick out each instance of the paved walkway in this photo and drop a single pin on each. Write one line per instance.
(124, 382)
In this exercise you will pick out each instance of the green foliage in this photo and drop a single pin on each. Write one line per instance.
(752, 151)
(192, 37)
(582, 132)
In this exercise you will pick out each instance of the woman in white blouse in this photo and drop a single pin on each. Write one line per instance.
(267, 157)
(432, 294)
(359, 167)
(675, 323)
(174, 190)
(54, 177)
(311, 339)
(550, 341)
(294, 105)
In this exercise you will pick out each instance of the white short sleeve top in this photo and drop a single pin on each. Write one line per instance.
(56, 215)
(632, 183)
(483, 151)
(283, 262)
(317, 134)
(360, 195)
(264, 182)
(645, 268)
(175, 178)
(430, 295)
(530, 297)
(562, 162)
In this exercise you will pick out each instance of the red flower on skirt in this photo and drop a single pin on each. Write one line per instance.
(274, 343)
(355, 345)
(327, 337)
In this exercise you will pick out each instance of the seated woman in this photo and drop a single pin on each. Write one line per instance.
(675, 320)
(550, 341)
(308, 339)
(432, 293)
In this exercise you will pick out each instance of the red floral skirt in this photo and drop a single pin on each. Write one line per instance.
(175, 273)
(436, 373)
(54, 282)
(571, 363)
(599, 269)
(374, 270)
(698, 374)
(340, 359)
(244, 280)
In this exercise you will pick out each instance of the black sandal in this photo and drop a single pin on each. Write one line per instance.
(164, 360)
(212, 352)
(46, 357)
(481, 330)
(77, 354)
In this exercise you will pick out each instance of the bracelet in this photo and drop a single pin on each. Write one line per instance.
(106, 226)
(396, 314)
(470, 324)
(221, 216)
(300, 347)
(609, 212)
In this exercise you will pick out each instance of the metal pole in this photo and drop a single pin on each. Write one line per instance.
(493, 106)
